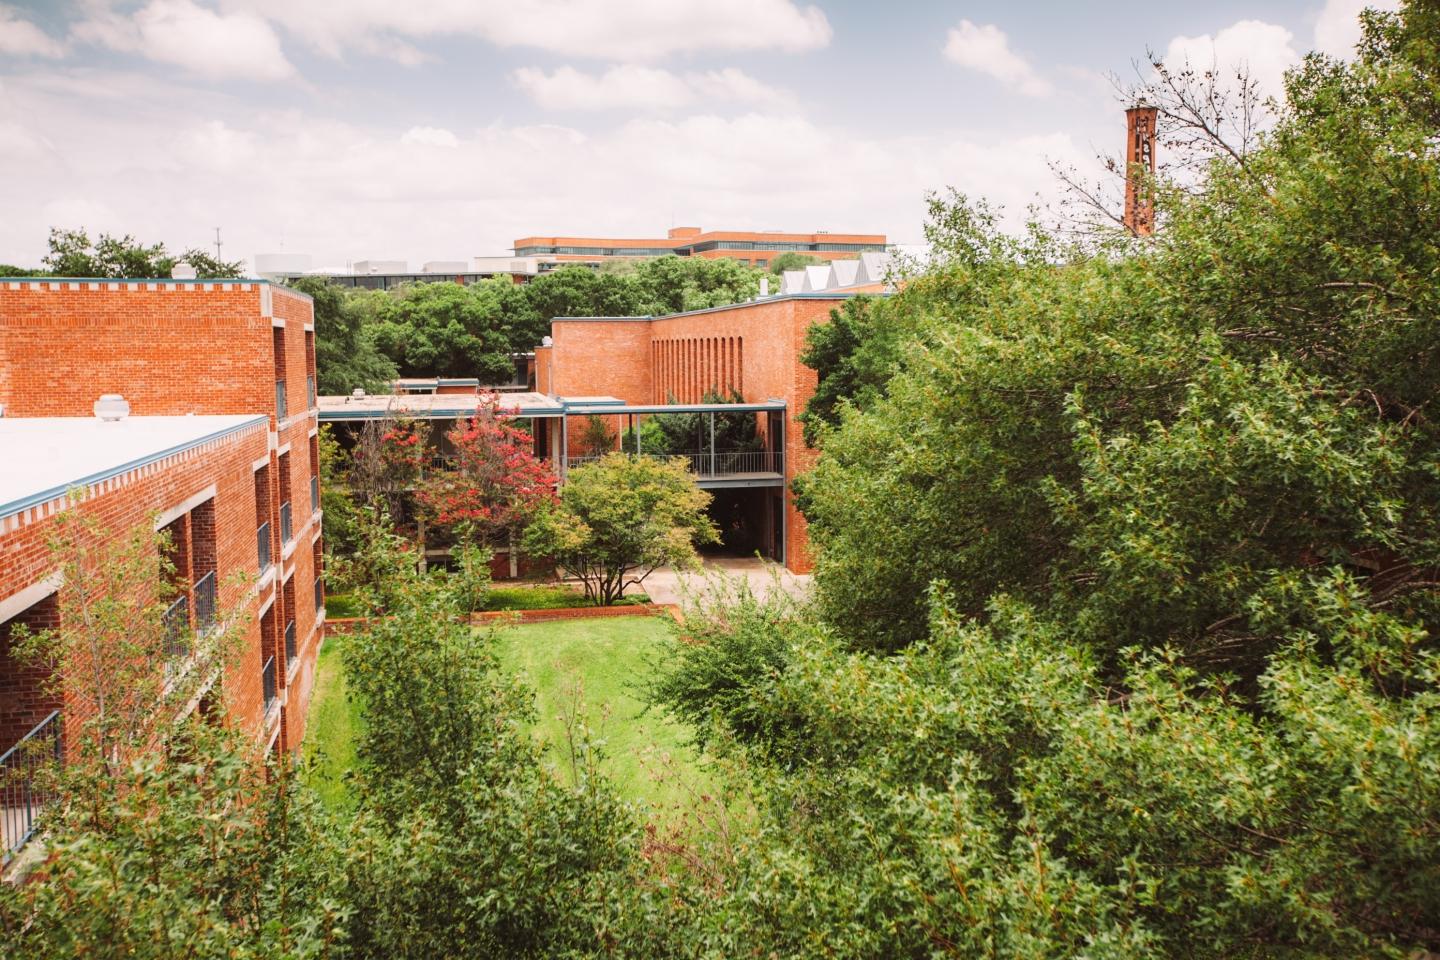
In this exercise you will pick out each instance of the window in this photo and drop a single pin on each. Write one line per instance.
(310, 369)
(286, 531)
(262, 516)
(278, 338)
(314, 473)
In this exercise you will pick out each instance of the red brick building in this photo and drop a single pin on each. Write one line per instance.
(220, 443)
(626, 368)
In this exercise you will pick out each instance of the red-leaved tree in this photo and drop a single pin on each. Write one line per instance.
(497, 483)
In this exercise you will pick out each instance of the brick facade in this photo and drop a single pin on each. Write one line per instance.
(753, 348)
(175, 348)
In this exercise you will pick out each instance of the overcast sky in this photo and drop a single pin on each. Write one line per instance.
(444, 129)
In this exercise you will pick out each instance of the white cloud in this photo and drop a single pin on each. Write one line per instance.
(431, 137)
(21, 38)
(342, 191)
(1337, 29)
(986, 48)
(1262, 49)
(198, 39)
(635, 30)
(631, 87)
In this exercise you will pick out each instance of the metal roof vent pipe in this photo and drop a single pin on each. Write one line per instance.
(182, 271)
(111, 407)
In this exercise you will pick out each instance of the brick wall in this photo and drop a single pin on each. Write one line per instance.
(178, 348)
(25, 695)
(226, 465)
(752, 347)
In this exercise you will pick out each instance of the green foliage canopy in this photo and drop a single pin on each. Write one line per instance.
(619, 518)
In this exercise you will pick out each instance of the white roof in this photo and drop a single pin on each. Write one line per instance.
(843, 272)
(874, 267)
(817, 278)
(46, 456)
(792, 281)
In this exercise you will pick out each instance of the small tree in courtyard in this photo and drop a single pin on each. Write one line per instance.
(388, 456)
(596, 436)
(619, 518)
(498, 483)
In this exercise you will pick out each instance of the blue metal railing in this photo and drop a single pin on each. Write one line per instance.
(177, 628)
(262, 545)
(280, 411)
(22, 796)
(267, 682)
(205, 602)
(285, 531)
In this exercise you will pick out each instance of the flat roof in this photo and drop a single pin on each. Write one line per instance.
(838, 293)
(432, 406)
(447, 406)
(47, 456)
(575, 406)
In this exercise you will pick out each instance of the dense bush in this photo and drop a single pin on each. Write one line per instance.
(1126, 577)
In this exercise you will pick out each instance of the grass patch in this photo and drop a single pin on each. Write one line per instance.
(648, 758)
(545, 597)
(332, 727)
(341, 605)
(533, 598)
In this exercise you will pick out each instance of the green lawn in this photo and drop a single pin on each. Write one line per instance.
(341, 605)
(333, 724)
(647, 757)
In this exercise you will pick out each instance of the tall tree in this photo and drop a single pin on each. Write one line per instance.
(72, 254)
(346, 357)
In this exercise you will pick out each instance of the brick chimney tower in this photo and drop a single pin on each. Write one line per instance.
(1139, 164)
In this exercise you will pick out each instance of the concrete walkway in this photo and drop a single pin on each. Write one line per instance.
(667, 586)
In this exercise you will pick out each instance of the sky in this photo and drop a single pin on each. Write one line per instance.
(424, 130)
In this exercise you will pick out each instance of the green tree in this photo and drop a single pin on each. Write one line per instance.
(596, 436)
(577, 292)
(464, 844)
(621, 517)
(792, 261)
(1126, 636)
(675, 284)
(72, 254)
(166, 835)
(346, 357)
(443, 330)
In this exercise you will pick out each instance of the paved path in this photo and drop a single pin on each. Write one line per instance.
(667, 586)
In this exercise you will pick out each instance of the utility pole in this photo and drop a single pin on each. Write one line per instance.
(217, 243)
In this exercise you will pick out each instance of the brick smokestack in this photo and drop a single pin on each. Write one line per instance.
(1139, 164)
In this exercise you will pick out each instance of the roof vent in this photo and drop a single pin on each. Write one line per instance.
(112, 407)
(358, 392)
(182, 271)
